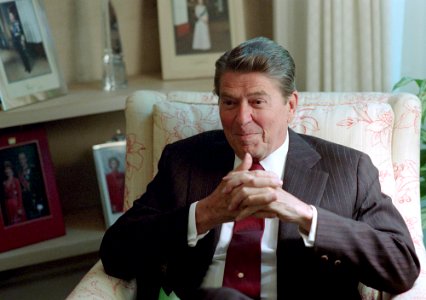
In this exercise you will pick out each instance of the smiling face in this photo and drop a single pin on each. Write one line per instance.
(254, 113)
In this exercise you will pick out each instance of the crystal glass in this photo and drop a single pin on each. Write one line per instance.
(114, 69)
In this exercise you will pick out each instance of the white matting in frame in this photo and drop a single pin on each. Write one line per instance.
(29, 71)
(110, 162)
(194, 33)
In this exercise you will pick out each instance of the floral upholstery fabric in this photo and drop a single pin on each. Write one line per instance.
(386, 126)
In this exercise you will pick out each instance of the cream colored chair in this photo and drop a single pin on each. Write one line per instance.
(386, 126)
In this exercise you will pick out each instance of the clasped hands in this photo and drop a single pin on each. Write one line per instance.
(244, 193)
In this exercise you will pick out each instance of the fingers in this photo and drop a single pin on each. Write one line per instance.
(256, 211)
(251, 179)
(251, 197)
(242, 176)
(245, 164)
(246, 213)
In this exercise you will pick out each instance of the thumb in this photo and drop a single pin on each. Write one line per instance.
(246, 163)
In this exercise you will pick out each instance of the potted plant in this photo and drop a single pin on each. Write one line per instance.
(421, 84)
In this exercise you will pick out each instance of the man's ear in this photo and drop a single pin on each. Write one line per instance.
(293, 101)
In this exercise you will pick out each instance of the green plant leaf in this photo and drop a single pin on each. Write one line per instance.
(422, 89)
(423, 191)
(420, 82)
(402, 82)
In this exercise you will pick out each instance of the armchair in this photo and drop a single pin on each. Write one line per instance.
(386, 126)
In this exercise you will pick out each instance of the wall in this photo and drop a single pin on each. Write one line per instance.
(76, 30)
(70, 144)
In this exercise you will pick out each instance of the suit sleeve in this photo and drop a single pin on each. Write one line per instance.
(375, 243)
(141, 239)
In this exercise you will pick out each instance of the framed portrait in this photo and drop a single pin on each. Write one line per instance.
(30, 209)
(29, 71)
(194, 33)
(110, 163)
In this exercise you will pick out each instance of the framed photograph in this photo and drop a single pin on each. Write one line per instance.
(29, 71)
(194, 33)
(110, 163)
(30, 209)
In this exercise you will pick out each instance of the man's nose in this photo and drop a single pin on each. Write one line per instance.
(244, 114)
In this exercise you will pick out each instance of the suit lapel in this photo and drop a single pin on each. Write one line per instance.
(301, 179)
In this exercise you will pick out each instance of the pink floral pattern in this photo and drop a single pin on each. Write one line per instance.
(305, 123)
(96, 284)
(380, 126)
(179, 123)
(407, 181)
(134, 163)
(409, 118)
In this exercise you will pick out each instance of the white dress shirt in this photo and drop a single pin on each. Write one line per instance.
(275, 162)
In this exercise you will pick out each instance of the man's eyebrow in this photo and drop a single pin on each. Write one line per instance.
(256, 93)
(224, 94)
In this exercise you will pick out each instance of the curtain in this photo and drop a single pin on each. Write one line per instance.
(337, 45)
(412, 59)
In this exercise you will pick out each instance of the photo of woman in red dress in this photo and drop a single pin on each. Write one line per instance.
(115, 182)
(14, 208)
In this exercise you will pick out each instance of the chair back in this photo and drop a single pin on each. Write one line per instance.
(383, 125)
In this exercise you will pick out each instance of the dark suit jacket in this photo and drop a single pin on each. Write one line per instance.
(360, 234)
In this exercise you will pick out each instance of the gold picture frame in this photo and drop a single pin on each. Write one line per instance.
(194, 33)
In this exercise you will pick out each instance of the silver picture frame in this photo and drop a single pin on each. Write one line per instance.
(110, 163)
(29, 70)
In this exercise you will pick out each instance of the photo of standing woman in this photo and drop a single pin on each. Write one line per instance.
(201, 40)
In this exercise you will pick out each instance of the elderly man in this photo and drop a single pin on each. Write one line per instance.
(257, 211)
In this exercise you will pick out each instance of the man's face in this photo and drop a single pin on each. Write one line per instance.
(22, 159)
(253, 112)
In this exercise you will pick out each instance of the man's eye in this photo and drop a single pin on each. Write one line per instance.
(257, 102)
(227, 102)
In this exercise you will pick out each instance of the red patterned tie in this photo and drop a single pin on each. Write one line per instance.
(242, 266)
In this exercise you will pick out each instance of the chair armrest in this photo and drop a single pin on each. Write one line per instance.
(96, 284)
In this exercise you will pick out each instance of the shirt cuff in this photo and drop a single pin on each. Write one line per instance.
(193, 237)
(309, 239)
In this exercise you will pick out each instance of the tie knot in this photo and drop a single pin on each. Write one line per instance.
(256, 166)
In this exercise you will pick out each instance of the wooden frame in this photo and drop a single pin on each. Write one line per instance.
(178, 27)
(30, 210)
(110, 162)
(29, 71)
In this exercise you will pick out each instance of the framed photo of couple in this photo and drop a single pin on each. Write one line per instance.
(30, 210)
(29, 71)
(194, 33)
(110, 163)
